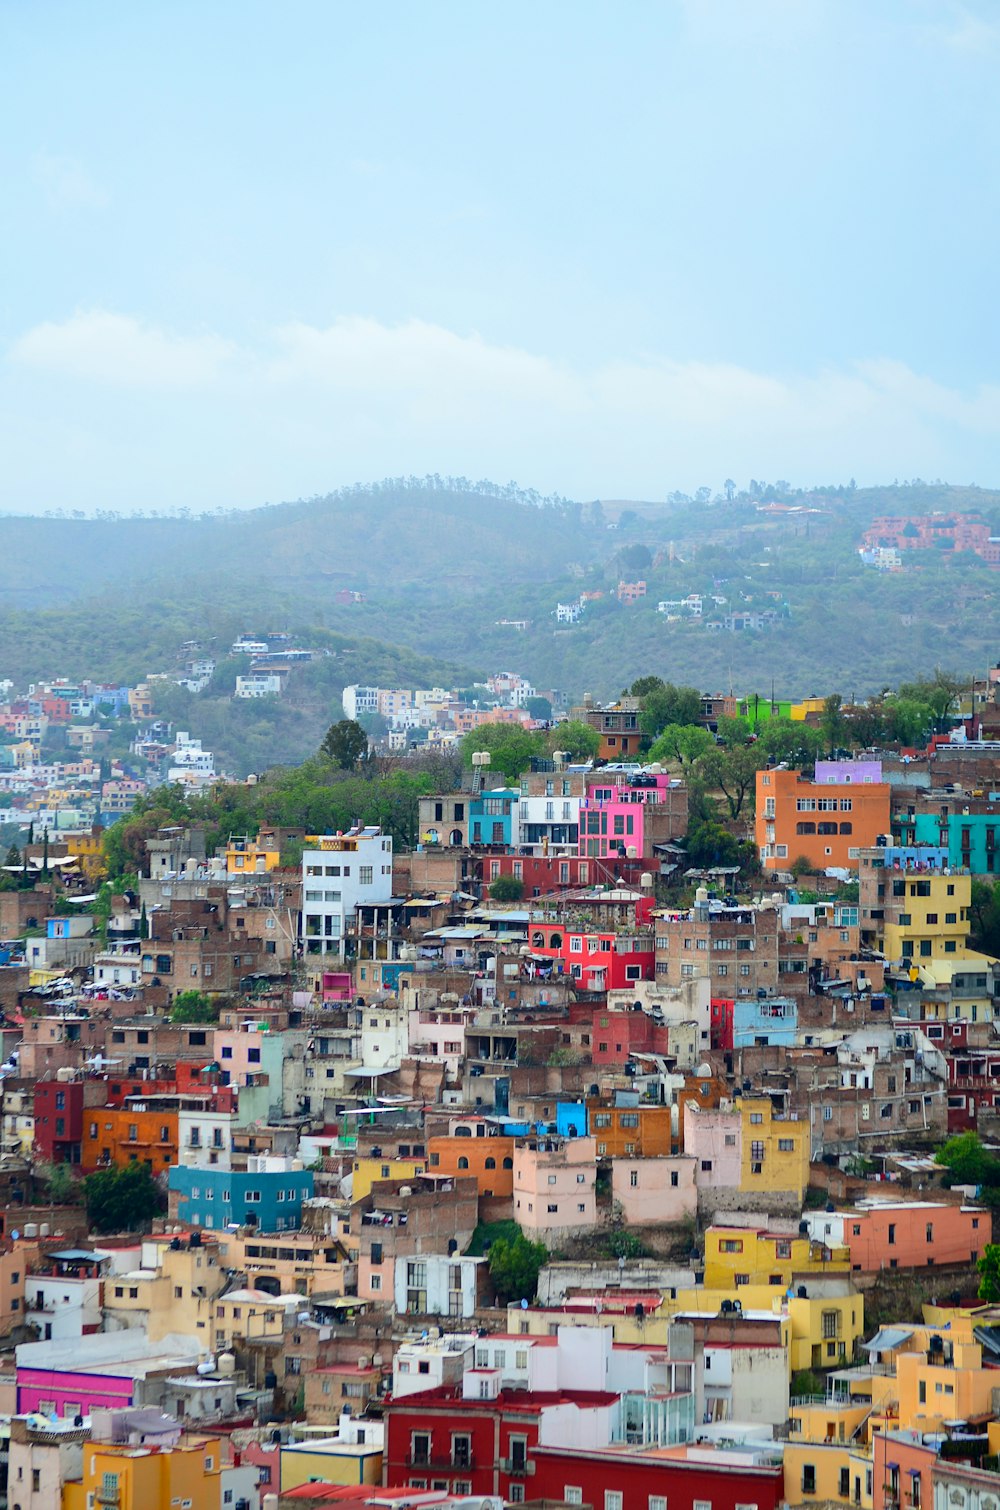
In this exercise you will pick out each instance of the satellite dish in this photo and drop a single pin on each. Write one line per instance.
(15, 1235)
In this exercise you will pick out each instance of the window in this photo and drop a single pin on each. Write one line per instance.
(657, 1502)
(612, 1499)
(892, 1232)
(572, 1494)
(808, 1478)
(786, 1145)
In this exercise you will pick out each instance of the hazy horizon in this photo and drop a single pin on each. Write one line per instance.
(254, 257)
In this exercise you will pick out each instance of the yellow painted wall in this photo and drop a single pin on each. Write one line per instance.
(367, 1171)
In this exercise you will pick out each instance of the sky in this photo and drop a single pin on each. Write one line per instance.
(254, 252)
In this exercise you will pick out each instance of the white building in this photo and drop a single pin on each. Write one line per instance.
(359, 700)
(385, 1032)
(339, 873)
(204, 1138)
(552, 819)
(60, 1306)
(118, 967)
(258, 684)
(568, 613)
(438, 1284)
(428, 1362)
(190, 764)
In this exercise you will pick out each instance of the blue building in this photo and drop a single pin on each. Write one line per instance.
(492, 816)
(764, 1020)
(971, 840)
(268, 1196)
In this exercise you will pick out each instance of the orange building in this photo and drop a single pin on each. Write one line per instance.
(826, 821)
(489, 1161)
(642, 1132)
(909, 1234)
(144, 1130)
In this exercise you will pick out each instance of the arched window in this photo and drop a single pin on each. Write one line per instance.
(490, 1164)
(463, 1162)
(463, 1132)
(846, 828)
(456, 836)
(508, 1163)
(827, 828)
(538, 941)
(805, 828)
(555, 941)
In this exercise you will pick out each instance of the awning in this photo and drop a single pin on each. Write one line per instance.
(371, 1069)
(887, 1339)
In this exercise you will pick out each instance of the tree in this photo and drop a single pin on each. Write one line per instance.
(729, 487)
(668, 704)
(939, 692)
(684, 743)
(511, 747)
(121, 1199)
(635, 557)
(539, 708)
(989, 1268)
(507, 889)
(61, 1183)
(733, 773)
(345, 743)
(193, 1006)
(644, 685)
(967, 1161)
(576, 738)
(833, 724)
(985, 916)
(514, 1267)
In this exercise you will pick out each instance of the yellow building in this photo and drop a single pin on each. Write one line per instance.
(367, 1171)
(827, 1471)
(740, 1256)
(809, 706)
(251, 856)
(929, 918)
(331, 1461)
(138, 1478)
(173, 1290)
(294, 1261)
(775, 1150)
(816, 1323)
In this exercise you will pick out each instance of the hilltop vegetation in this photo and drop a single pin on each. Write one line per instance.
(440, 561)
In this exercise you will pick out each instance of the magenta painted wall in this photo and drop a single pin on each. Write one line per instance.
(37, 1384)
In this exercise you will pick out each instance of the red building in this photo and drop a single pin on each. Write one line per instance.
(543, 874)
(58, 1121)
(721, 1025)
(635, 1479)
(438, 1439)
(597, 959)
(616, 1035)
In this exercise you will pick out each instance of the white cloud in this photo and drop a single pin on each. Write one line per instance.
(103, 347)
(66, 183)
(310, 408)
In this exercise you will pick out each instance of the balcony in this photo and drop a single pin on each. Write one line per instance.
(449, 1463)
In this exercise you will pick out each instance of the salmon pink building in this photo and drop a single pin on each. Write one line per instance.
(905, 1234)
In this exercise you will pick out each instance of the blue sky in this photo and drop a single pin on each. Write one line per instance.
(255, 252)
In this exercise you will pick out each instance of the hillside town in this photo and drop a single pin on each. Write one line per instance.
(531, 1163)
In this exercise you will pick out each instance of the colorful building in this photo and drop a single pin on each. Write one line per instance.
(825, 821)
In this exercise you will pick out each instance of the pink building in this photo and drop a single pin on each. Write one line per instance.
(555, 1186)
(655, 1190)
(622, 818)
(712, 1139)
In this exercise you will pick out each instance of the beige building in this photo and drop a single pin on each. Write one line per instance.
(654, 1190)
(555, 1182)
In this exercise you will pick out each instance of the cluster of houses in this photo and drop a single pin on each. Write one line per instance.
(443, 716)
(888, 538)
(352, 1070)
(56, 772)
